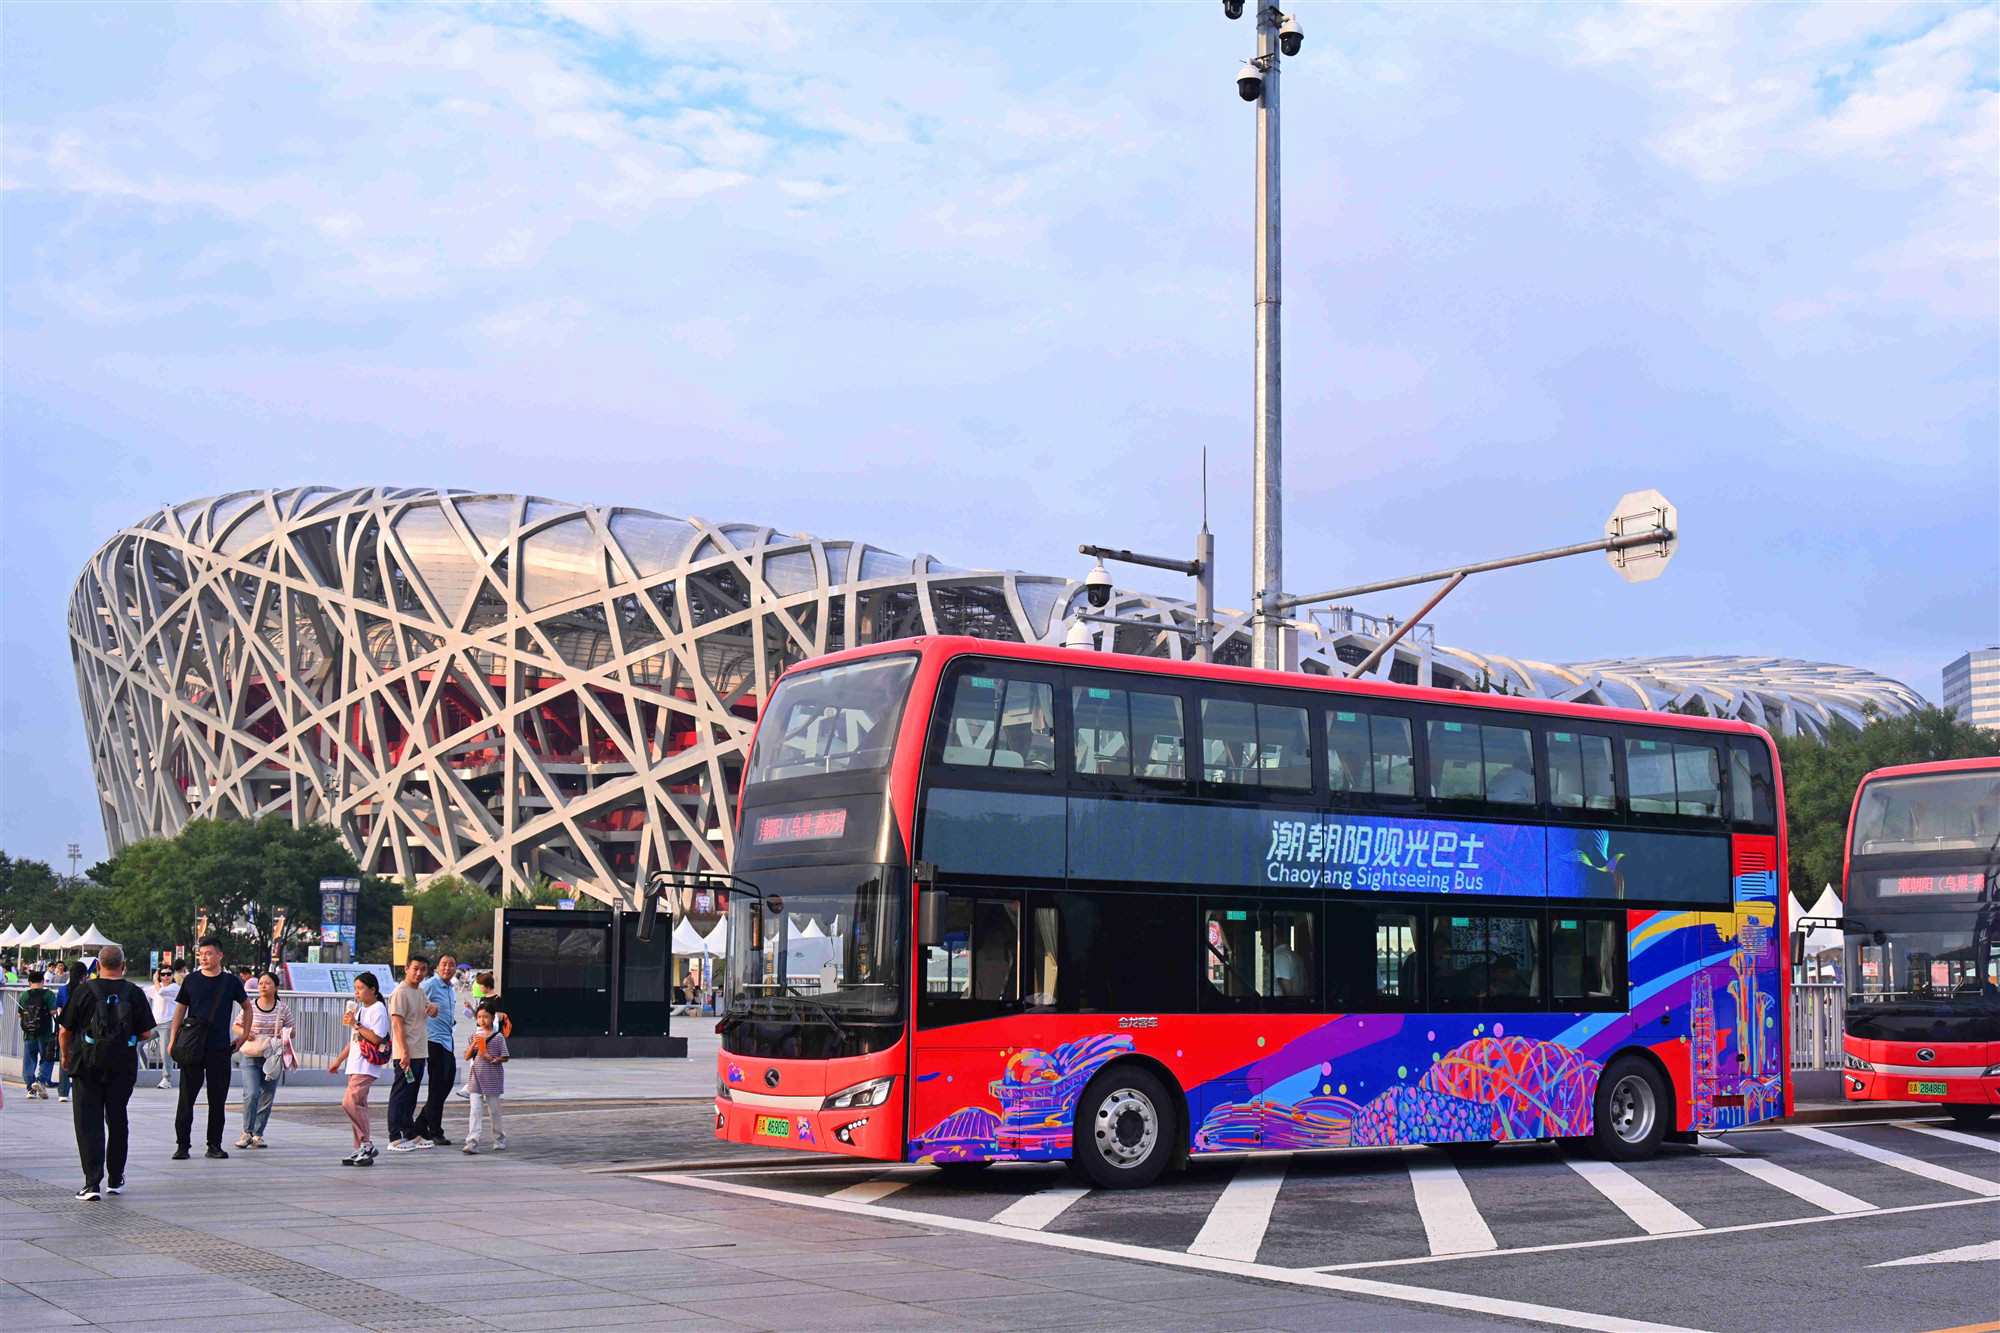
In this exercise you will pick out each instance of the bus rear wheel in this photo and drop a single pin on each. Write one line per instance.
(1630, 1111)
(1125, 1129)
(1967, 1113)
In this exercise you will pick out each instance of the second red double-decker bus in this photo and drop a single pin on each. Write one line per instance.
(1005, 902)
(1922, 909)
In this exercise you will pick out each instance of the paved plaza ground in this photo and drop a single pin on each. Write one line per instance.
(544, 1237)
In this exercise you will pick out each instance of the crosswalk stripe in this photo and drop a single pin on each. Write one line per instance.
(1952, 1136)
(1452, 1222)
(1034, 1211)
(1715, 1144)
(1943, 1175)
(1650, 1212)
(1235, 1226)
(1803, 1187)
(880, 1187)
(1962, 1254)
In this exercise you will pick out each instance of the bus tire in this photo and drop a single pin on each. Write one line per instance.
(1125, 1129)
(1968, 1113)
(1629, 1111)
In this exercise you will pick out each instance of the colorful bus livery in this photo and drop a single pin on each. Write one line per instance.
(1154, 908)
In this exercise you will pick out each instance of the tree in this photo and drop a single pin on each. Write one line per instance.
(1822, 777)
(457, 914)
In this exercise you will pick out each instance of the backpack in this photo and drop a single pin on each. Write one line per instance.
(37, 1015)
(104, 1031)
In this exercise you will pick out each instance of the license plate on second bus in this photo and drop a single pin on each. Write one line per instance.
(775, 1126)
(1928, 1089)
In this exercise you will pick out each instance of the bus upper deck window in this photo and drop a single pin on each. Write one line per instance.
(1000, 723)
(1255, 745)
(1698, 781)
(1580, 771)
(1121, 734)
(1649, 768)
(1369, 753)
(1470, 762)
(1752, 797)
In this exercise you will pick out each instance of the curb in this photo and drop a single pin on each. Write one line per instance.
(717, 1164)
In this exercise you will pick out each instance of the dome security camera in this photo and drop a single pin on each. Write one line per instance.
(1232, 9)
(1250, 81)
(1097, 587)
(1290, 36)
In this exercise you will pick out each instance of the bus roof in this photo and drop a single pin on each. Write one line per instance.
(940, 647)
(1932, 766)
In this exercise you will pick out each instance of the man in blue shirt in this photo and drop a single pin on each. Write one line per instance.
(442, 1064)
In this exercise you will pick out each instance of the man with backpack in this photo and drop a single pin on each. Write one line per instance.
(38, 1035)
(102, 1025)
(201, 1043)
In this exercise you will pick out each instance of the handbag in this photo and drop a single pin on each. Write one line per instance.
(191, 1042)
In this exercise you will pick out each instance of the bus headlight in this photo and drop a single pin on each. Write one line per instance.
(1992, 1071)
(1851, 1061)
(872, 1093)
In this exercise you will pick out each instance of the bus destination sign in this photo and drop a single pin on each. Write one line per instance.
(806, 826)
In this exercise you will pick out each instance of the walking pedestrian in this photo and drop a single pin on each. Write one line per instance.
(486, 1059)
(409, 1022)
(78, 974)
(366, 1058)
(37, 1016)
(440, 1056)
(163, 993)
(202, 1041)
(102, 1027)
(482, 984)
(271, 1026)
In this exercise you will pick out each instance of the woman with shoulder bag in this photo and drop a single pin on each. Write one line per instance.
(271, 1024)
(366, 1058)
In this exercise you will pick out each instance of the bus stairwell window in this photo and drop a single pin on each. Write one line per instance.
(948, 966)
(1042, 959)
(1510, 765)
(1159, 737)
(1349, 765)
(1457, 772)
(996, 950)
(1396, 958)
(1649, 769)
(974, 722)
(1027, 728)
(1229, 742)
(1584, 959)
(1284, 746)
(1101, 732)
(1698, 781)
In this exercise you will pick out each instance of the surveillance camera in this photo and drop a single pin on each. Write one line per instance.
(1097, 587)
(1250, 81)
(1080, 636)
(1232, 9)
(1290, 37)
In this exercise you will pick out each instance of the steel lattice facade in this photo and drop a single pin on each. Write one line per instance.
(504, 686)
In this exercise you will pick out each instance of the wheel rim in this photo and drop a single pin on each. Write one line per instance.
(1127, 1128)
(1632, 1108)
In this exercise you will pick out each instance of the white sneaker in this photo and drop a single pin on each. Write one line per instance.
(242, 1141)
(418, 1145)
(401, 1145)
(61, 1097)
(164, 1082)
(87, 1194)
(500, 1144)
(461, 1092)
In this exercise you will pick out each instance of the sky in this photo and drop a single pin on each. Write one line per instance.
(975, 281)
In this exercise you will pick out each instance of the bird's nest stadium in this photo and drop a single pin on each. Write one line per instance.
(504, 686)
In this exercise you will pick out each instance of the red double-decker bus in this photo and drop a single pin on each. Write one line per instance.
(1922, 916)
(1005, 902)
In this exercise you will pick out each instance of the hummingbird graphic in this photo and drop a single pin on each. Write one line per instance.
(1606, 863)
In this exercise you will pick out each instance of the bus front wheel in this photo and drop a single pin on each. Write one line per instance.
(1125, 1129)
(1631, 1109)
(1967, 1113)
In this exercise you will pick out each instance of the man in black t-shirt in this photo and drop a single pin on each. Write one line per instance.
(210, 994)
(99, 1097)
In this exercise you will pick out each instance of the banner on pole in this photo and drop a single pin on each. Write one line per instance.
(400, 919)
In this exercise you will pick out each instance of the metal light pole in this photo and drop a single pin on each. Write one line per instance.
(1258, 82)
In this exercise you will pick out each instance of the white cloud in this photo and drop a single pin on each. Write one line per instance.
(548, 323)
(709, 335)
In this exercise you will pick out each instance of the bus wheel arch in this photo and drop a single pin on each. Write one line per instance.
(1633, 1106)
(1145, 1110)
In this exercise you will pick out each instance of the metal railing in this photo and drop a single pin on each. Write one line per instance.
(319, 1034)
(1819, 1018)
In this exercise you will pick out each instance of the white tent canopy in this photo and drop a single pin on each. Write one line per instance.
(39, 938)
(1820, 938)
(812, 930)
(67, 940)
(688, 942)
(93, 938)
(11, 935)
(717, 941)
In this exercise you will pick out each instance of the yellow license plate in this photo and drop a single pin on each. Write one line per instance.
(774, 1126)
(1927, 1089)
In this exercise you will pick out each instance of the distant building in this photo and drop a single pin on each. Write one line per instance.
(1972, 686)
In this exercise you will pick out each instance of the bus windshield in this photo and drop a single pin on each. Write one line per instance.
(1940, 812)
(825, 973)
(839, 719)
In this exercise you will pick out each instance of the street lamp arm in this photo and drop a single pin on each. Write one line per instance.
(1192, 568)
(1654, 536)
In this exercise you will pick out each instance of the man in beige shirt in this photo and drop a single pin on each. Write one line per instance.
(409, 1010)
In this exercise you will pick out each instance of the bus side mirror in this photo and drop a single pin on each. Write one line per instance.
(930, 917)
(1798, 948)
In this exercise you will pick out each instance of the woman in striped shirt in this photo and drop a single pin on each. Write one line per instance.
(271, 1027)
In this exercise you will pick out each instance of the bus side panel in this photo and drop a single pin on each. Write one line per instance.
(1748, 988)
